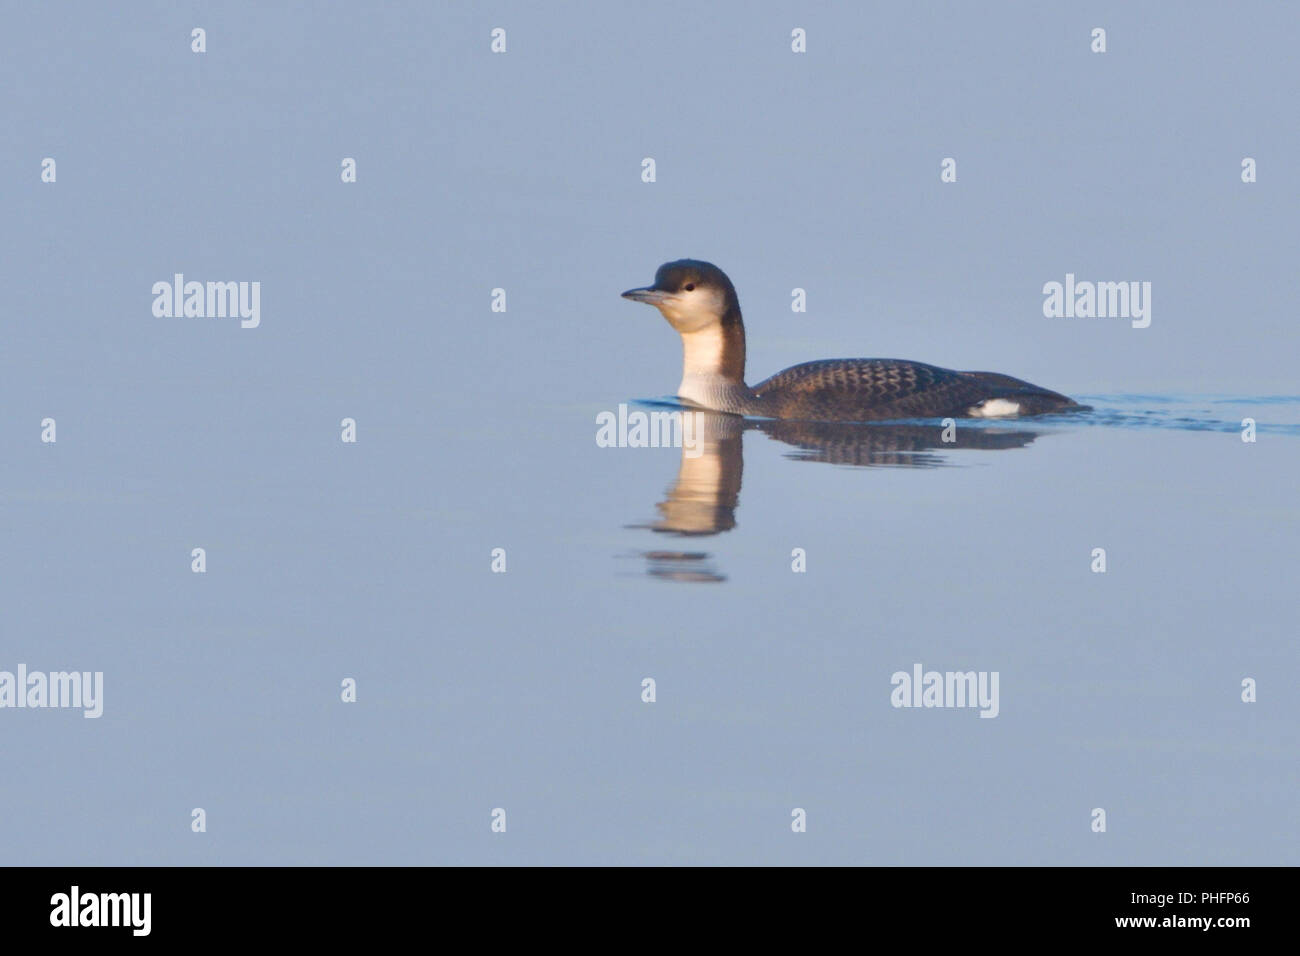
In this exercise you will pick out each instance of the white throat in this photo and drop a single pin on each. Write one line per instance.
(702, 379)
(702, 353)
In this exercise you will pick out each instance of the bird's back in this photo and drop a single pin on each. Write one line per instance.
(876, 389)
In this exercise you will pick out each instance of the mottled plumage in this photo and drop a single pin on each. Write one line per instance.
(845, 390)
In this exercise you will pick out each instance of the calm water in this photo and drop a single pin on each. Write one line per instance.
(476, 431)
(522, 690)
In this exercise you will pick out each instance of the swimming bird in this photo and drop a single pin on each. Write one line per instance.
(699, 301)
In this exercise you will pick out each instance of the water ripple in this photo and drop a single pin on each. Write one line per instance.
(1273, 414)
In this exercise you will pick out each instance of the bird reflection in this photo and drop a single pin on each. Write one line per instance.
(703, 499)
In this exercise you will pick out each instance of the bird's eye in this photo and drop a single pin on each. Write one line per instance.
(690, 287)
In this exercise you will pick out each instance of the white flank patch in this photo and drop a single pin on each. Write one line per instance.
(995, 408)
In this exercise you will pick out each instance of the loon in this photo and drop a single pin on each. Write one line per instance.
(699, 301)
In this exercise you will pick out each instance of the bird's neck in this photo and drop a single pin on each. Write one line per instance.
(713, 366)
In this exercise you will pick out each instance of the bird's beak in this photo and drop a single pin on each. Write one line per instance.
(650, 296)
